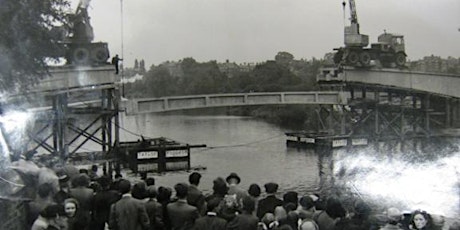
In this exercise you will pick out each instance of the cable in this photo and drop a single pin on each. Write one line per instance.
(122, 49)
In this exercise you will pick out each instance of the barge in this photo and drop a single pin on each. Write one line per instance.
(155, 155)
(321, 139)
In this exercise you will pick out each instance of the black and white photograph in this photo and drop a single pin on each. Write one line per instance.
(229, 115)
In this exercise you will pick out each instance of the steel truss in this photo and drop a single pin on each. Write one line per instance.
(73, 119)
(389, 114)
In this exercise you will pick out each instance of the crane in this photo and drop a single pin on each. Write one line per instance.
(388, 50)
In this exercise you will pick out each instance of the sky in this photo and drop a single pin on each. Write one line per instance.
(256, 30)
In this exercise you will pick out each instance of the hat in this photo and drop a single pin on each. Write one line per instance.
(271, 187)
(233, 176)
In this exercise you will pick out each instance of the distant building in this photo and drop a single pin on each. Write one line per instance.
(231, 69)
(437, 64)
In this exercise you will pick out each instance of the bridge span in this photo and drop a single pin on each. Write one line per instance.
(426, 82)
(164, 104)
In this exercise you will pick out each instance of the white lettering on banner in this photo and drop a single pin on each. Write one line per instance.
(147, 155)
(339, 143)
(176, 153)
(147, 167)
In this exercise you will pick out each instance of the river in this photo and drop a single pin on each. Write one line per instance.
(254, 149)
(257, 151)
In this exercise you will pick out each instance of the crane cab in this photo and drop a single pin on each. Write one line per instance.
(392, 41)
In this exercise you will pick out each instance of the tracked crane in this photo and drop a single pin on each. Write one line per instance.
(77, 37)
(388, 51)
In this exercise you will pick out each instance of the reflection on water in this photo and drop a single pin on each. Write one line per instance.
(257, 152)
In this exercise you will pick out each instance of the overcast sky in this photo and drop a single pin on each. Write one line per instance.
(255, 30)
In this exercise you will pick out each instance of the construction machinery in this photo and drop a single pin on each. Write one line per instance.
(77, 37)
(389, 51)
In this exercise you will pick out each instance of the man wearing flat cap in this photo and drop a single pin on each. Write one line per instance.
(270, 202)
(233, 180)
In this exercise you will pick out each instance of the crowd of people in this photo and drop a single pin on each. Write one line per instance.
(82, 200)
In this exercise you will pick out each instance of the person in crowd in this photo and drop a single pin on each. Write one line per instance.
(75, 221)
(359, 220)
(181, 214)
(269, 203)
(93, 173)
(291, 197)
(233, 181)
(64, 189)
(307, 208)
(394, 217)
(308, 225)
(143, 175)
(280, 218)
(320, 203)
(327, 219)
(164, 198)
(292, 217)
(420, 220)
(150, 182)
(139, 191)
(267, 221)
(195, 197)
(254, 192)
(114, 184)
(43, 199)
(229, 207)
(219, 188)
(52, 217)
(128, 213)
(246, 220)
(102, 201)
(83, 195)
(210, 221)
(154, 209)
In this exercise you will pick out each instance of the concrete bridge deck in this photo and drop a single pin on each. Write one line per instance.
(164, 104)
(432, 83)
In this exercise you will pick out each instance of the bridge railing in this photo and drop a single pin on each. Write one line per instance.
(163, 104)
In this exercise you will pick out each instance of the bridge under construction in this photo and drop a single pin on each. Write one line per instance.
(380, 103)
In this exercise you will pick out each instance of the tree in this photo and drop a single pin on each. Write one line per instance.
(27, 40)
(284, 58)
(136, 64)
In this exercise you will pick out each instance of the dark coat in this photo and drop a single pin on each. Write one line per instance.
(324, 221)
(196, 198)
(103, 200)
(155, 213)
(210, 222)
(181, 215)
(268, 204)
(128, 214)
(243, 222)
(84, 196)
